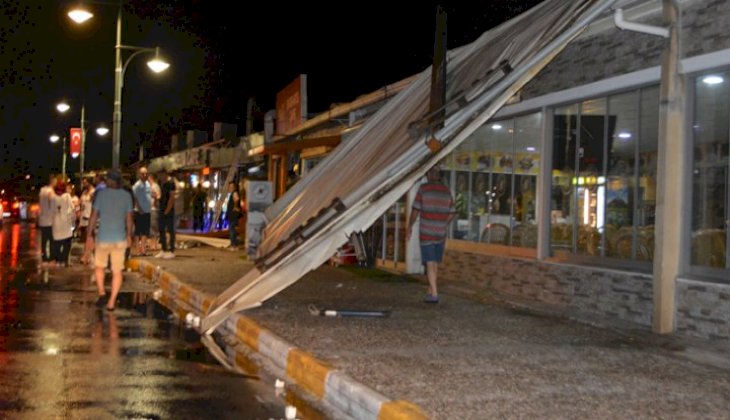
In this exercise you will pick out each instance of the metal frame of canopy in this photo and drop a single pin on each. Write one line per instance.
(313, 242)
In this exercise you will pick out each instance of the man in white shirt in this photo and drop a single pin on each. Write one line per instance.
(46, 199)
(142, 191)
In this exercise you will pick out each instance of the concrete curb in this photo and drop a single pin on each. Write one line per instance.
(248, 342)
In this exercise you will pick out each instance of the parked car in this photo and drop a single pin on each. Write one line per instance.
(19, 208)
(11, 209)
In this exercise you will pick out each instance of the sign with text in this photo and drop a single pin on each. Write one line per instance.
(291, 106)
(75, 146)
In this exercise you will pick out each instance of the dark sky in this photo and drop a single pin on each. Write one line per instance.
(221, 53)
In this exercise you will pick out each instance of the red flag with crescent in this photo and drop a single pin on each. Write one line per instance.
(75, 146)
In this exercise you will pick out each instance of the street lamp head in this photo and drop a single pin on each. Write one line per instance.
(54, 138)
(157, 64)
(74, 155)
(63, 107)
(80, 15)
(102, 131)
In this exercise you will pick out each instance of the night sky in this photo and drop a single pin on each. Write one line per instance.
(220, 55)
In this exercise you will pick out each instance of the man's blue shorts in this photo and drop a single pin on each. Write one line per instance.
(432, 252)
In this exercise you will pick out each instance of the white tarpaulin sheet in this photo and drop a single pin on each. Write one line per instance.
(368, 173)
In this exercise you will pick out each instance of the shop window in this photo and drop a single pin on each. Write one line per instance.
(493, 179)
(605, 206)
(711, 175)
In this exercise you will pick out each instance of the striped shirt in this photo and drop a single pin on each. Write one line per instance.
(436, 207)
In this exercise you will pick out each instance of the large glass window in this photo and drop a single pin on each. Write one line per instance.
(493, 177)
(604, 176)
(711, 172)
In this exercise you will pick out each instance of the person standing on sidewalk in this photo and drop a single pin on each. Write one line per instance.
(435, 206)
(143, 207)
(46, 199)
(166, 221)
(64, 217)
(154, 242)
(199, 198)
(233, 214)
(113, 210)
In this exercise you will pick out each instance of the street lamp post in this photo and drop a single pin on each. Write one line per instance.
(83, 141)
(157, 65)
(118, 82)
(62, 108)
(101, 130)
(54, 138)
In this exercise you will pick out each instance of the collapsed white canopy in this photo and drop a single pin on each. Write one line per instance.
(368, 173)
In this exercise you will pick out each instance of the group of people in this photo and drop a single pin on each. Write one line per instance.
(110, 219)
(235, 209)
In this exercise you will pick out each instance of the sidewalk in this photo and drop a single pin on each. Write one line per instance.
(459, 359)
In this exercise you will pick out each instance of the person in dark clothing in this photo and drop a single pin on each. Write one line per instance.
(233, 214)
(167, 215)
(199, 198)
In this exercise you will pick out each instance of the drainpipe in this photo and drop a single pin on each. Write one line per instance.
(618, 19)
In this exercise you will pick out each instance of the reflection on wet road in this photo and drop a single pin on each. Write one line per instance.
(61, 357)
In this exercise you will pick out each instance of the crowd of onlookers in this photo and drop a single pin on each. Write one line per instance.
(112, 218)
(65, 211)
(115, 219)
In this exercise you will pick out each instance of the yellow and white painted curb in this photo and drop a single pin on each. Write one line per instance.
(319, 380)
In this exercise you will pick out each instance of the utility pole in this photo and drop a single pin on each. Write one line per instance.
(249, 116)
(83, 141)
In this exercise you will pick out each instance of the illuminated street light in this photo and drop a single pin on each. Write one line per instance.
(157, 65)
(54, 138)
(102, 131)
(80, 15)
(63, 107)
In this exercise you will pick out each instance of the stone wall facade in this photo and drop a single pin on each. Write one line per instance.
(614, 52)
(703, 309)
(589, 291)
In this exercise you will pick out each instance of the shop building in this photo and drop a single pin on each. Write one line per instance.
(557, 196)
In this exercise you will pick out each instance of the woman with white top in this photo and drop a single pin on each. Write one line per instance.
(63, 225)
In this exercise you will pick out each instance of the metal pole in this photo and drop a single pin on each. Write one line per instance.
(83, 141)
(63, 160)
(117, 117)
(673, 177)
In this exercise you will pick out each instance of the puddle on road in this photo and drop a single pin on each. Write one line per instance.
(24, 288)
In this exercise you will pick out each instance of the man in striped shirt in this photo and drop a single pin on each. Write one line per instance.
(435, 205)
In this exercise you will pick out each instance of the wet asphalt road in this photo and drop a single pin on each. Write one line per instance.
(61, 357)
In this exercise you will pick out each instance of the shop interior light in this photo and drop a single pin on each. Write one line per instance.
(531, 149)
(206, 184)
(624, 135)
(496, 127)
(712, 80)
(211, 204)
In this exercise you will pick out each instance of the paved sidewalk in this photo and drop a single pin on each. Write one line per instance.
(466, 359)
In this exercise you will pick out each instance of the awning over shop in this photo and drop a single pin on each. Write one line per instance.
(365, 175)
(288, 146)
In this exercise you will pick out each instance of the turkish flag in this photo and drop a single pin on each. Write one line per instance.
(75, 147)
